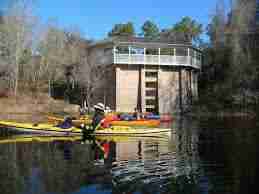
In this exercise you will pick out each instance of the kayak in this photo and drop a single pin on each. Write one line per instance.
(137, 123)
(166, 118)
(87, 121)
(75, 122)
(153, 117)
(46, 128)
(77, 138)
(33, 138)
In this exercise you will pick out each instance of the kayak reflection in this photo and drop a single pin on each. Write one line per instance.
(104, 150)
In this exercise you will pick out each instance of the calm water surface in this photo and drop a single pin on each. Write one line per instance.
(206, 156)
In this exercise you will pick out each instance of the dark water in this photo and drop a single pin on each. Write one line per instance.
(206, 156)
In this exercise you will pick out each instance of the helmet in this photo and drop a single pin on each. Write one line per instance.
(99, 106)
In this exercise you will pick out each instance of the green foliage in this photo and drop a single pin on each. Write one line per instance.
(186, 31)
(190, 28)
(150, 30)
(122, 30)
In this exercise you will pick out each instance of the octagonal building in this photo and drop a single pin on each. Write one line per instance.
(153, 76)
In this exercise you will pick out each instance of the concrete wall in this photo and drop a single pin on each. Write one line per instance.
(127, 87)
(169, 89)
(168, 95)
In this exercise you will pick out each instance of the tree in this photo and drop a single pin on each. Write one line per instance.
(17, 37)
(185, 31)
(52, 51)
(190, 29)
(122, 30)
(90, 74)
(217, 27)
(150, 30)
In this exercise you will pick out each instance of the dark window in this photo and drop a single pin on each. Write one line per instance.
(151, 84)
(122, 50)
(181, 52)
(150, 102)
(151, 93)
(167, 51)
(151, 74)
(150, 110)
(192, 53)
(152, 51)
(257, 17)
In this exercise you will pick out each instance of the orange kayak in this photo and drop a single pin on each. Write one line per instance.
(138, 123)
(135, 123)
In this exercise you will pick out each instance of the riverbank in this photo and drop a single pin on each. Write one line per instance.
(29, 109)
(199, 111)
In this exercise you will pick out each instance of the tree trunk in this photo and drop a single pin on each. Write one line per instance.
(16, 80)
(49, 87)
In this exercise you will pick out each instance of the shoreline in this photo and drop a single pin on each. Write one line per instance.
(24, 109)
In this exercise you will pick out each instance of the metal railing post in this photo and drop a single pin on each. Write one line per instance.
(114, 55)
(129, 54)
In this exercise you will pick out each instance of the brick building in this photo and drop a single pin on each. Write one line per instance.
(155, 76)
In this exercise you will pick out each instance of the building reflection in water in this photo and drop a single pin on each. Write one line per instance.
(117, 164)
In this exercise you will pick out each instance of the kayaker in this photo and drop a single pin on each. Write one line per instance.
(136, 114)
(108, 109)
(99, 117)
(66, 124)
(82, 111)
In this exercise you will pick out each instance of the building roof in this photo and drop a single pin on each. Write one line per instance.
(140, 41)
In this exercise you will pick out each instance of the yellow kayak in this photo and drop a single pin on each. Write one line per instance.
(33, 138)
(75, 122)
(47, 138)
(45, 128)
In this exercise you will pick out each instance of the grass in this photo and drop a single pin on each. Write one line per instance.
(28, 109)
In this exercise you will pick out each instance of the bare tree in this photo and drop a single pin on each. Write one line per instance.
(241, 25)
(52, 51)
(16, 36)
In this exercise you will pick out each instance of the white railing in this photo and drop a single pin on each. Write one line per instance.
(157, 60)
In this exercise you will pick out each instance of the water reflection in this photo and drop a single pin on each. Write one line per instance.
(205, 156)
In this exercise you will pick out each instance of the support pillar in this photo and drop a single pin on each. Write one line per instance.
(117, 101)
(143, 91)
(180, 90)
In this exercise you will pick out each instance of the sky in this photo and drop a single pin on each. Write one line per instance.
(95, 18)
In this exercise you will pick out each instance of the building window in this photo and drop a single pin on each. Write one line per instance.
(152, 51)
(198, 56)
(151, 74)
(151, 85)
(137, 50)
(257, 12)
(192, 52)
(257, 16)
(167, 51)
(122, 50)
(181, 52)
(150, 102)
(151, 93)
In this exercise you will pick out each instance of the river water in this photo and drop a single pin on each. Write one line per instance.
(216, 156)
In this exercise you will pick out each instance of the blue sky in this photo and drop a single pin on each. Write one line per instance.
(96, 17)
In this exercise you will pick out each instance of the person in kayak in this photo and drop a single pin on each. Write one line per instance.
(99, 117)
(66, 124)
(136, 114)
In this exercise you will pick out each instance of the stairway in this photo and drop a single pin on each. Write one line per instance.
(151, 90)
